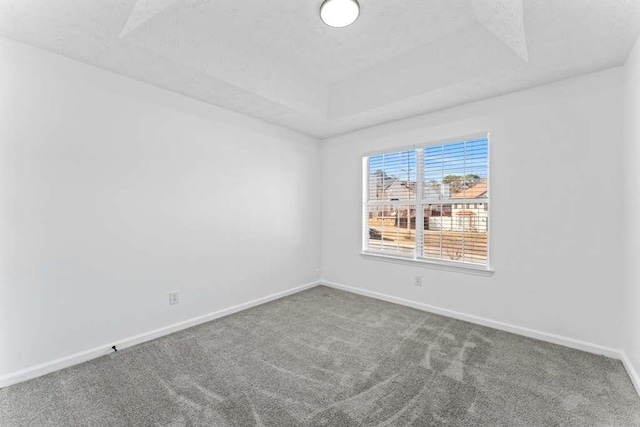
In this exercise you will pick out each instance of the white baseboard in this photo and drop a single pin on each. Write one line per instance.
(83, 356)
(633, 374)
(74, 359)
(531, 333)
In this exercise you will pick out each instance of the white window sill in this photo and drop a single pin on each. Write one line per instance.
(438, 265)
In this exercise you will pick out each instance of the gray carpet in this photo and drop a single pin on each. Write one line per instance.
(326, 357)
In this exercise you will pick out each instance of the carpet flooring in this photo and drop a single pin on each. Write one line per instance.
(324, 357)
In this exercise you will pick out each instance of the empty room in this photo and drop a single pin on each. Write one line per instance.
(319, 213)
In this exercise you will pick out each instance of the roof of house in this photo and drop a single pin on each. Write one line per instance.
(478, 190)
(407, 184)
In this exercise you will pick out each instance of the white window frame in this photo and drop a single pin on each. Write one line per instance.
(419, 204)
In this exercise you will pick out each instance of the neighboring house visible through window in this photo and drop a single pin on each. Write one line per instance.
(429, 203)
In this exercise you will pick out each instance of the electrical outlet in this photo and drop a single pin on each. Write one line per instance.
(173, 298)
(418, 281)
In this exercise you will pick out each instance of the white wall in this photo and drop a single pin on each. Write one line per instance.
(555, 153)
(631, 158)
(113, 193)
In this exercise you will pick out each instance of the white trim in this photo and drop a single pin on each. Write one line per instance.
(633, 374)
(406, 202)
(458, 267)
(490, 182)
(74, 359)
(425, 202)
(83, 356)
(531, 333)
(365, 196)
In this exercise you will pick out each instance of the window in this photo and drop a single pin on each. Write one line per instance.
(429, 203)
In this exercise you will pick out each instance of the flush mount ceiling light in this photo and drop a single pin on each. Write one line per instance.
(339, 13)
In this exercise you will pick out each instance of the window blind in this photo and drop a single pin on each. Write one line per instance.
(429, 203)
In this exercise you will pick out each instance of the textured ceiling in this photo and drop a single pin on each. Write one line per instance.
(275, 60)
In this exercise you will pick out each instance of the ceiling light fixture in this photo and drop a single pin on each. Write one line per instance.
(339, 13)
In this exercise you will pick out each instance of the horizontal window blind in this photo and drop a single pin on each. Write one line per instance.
(392, 176)
(430, 203)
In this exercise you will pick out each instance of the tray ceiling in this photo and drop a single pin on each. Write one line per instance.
(275, 60)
